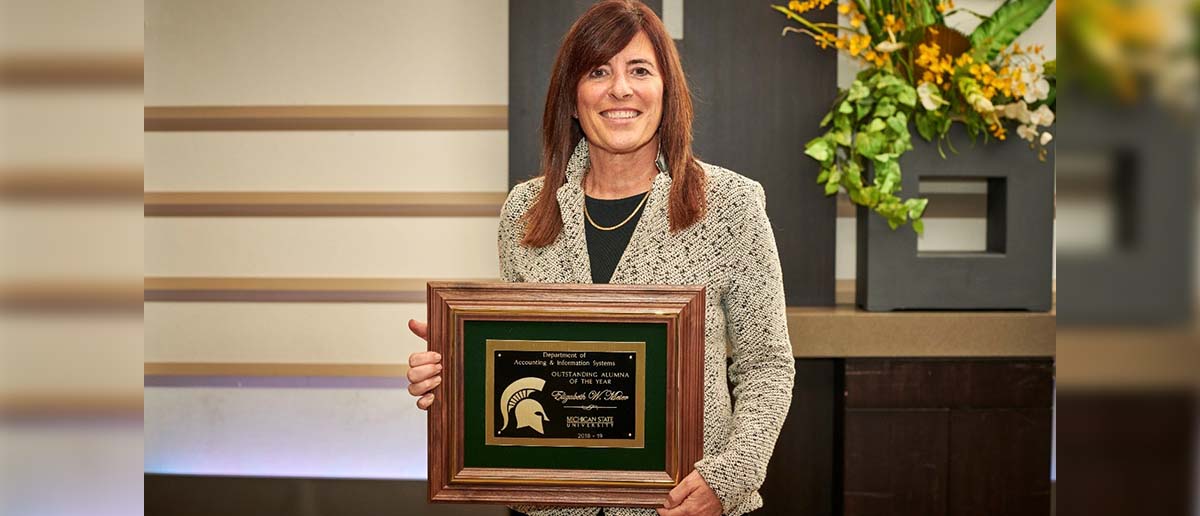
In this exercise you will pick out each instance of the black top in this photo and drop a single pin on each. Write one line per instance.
(606, 247)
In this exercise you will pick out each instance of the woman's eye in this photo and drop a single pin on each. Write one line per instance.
(597, 73)
(641, 72)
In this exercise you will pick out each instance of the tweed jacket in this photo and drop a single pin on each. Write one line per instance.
(732, 252)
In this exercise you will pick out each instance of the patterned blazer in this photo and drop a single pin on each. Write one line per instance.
(732, 252)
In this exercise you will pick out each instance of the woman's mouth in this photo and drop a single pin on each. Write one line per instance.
(620, 114)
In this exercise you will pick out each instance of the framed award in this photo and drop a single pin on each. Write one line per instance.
(582, 395)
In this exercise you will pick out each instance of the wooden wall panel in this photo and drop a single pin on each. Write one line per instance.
(896, 462)
(1000, 462)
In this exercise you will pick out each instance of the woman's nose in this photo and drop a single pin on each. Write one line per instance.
(620, 87)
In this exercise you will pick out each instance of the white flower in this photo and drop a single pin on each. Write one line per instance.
(887, 46)
(930, 97)
(1046, 137)
(1028, 132)
(1017, 111)
(1037, 90)
(1043, 116)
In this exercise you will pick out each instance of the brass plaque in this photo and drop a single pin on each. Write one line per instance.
(565, 393)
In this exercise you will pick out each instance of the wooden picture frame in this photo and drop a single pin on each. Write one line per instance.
(464, 468)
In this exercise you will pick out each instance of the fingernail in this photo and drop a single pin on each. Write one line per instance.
(437, 356)
(437, 380)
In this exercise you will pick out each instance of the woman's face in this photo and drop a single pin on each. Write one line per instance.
(619, 104)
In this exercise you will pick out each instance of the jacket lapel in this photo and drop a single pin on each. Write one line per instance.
(655, 220)
(570, 205)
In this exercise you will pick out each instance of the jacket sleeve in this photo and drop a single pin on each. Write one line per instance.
(763, 369)
(511, 231)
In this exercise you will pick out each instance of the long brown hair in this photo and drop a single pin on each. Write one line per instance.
(601, 33)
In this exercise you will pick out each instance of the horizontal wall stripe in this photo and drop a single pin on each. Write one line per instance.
(369, 290)
(324, 204)
(62, 183)
(70, 296)
(275, 369)
(67, 406)
(324, 118)
(71, 70)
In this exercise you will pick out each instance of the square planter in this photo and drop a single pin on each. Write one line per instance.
(1012, 273)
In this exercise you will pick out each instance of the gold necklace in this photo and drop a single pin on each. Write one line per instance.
(623, 222)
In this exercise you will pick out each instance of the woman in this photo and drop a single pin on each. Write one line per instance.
(621, 199)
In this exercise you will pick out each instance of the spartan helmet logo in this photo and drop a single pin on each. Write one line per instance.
(529, 412)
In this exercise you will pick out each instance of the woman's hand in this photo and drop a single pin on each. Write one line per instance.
(691, 497)
(424, 368)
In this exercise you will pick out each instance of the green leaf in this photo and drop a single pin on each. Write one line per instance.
(858, 90)
(831, 188)
(1008, 22)
(818, 149)
(898, 123)
(863, 107)
(885, 107)
(926, 13)
(825, 121)
(854, 173)
(872, 20)
(842, 137)
(926, 125)
(846, 108)
(823, 176)
(868, 144)
(918, 225)
(907, 96)
(875, 126)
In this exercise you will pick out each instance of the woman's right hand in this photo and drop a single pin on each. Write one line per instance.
(424, 368)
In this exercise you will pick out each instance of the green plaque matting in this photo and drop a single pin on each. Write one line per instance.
(651, 457)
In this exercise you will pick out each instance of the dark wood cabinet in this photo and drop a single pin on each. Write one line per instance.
(947, 437)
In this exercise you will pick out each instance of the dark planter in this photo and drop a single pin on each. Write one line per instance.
(1013, 273)
(1148, 157)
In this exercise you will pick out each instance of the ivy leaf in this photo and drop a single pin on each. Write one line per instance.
(818, 149)
(823, 176)
(907, 96)
(858, 90)
(898, 123)
(868, 144)
(854, 173)
(831, 188)
(875, 126)
(825, 121)
(862, 108)
(918, 225)
(926, 126)
(842, 137)
(846, 108)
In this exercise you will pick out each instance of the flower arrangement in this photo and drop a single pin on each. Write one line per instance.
(919, 72)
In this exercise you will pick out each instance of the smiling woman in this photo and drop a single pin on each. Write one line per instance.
(619, 105)
(621, 199)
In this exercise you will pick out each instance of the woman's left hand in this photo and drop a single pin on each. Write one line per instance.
(691, 497)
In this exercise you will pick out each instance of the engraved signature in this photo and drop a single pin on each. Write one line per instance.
(596, 395)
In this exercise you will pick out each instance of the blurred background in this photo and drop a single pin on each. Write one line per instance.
(306, 166)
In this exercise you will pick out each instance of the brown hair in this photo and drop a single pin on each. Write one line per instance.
(601, 33)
